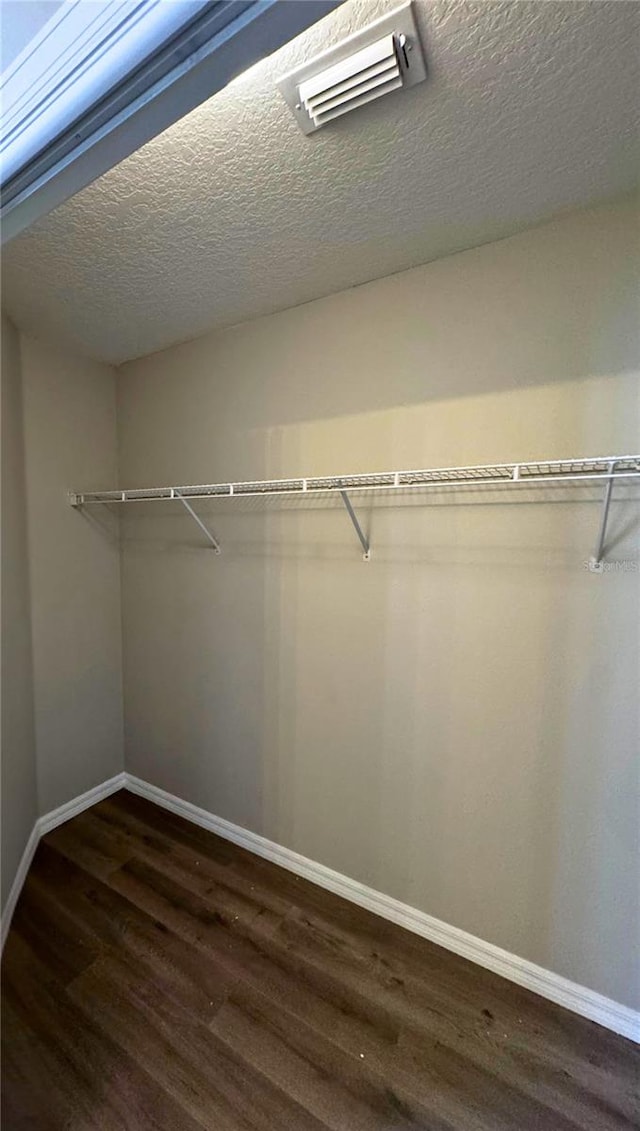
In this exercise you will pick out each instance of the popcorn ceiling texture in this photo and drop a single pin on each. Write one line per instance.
(529, 109)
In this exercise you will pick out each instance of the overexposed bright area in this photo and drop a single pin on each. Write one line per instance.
(71, 55)
(98, 78)
(20, 23)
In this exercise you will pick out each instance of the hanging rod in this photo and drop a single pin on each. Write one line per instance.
(604, 469)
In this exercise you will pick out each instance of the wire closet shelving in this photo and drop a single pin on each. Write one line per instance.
(571, 472)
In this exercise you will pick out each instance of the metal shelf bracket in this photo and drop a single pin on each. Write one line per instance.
(596, 563)
(364, 541)
(205, 530)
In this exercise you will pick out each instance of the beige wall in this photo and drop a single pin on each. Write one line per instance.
(70, 441)
(19, 790)
(456, 722)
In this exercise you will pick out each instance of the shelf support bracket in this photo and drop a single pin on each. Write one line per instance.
(364, 541)
(595, 563)
(205, 530)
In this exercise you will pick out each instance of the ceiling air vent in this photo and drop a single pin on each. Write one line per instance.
(381, 58)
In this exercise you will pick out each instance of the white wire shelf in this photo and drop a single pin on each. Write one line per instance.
(600, 468)
(568, 472)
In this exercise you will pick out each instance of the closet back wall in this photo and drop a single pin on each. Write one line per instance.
(453, 723)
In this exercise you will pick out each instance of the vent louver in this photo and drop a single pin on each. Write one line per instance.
(368, 74)
(381, 58)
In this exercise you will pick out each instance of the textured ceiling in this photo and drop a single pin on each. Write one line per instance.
(530, 109)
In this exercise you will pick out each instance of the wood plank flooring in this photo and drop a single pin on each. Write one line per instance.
(157, 977)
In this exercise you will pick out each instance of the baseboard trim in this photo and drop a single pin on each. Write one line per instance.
(594, 1006)
(44, 825)
(19, 878)
(78, 804)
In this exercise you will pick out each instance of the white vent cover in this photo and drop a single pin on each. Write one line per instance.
(381, 58)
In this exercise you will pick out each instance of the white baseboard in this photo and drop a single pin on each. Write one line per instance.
(44, 825)
(71, 808)
(16, 887)
(594, 1006)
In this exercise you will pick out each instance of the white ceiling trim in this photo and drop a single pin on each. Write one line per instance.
(80, 54)
(102, 78)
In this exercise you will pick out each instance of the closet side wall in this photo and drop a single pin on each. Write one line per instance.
(454, 723)
(19, 793)
(70, 440)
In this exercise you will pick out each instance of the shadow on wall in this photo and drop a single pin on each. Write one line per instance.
(452, 722)
(550, 305)
(430, 722)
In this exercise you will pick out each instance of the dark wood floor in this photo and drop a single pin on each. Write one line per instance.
(157, 977)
